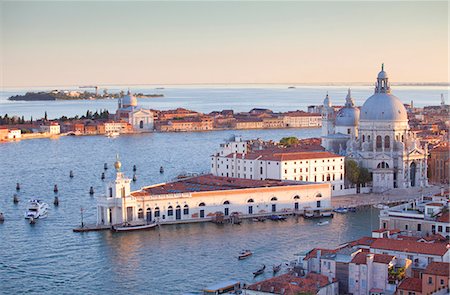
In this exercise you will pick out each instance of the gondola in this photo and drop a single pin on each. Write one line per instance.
(259, 271)
(276, 268)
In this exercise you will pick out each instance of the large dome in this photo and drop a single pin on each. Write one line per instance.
(383, 107)
(129, 100)
(347, 116)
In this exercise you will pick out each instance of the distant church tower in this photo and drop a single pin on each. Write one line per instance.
(327, 117)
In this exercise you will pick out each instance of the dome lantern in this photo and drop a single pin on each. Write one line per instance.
(117, 164)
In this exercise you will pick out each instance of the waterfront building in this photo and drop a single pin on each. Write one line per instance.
(119, 127)
(14, 133)
(378, 137)
(291, 284)
(201, 198)
(235, 159)
(300, 119)
(249, 123)
(51, 128)
(141, 119)
(200, 123)
(4, 134)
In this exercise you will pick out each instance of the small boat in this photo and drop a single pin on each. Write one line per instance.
(36, 209)
(134, 168)
(91, 190)
(71, 174)
(17, 186)
(259, 219)
(112, 134)
(244, 254)
(55, 188)
(277, 218)
(341, 210)
(161, 169)
(56, 201)
(259, 271)
(323, 222)
(381, 206)
(276, 268)
(291, 87)
(15, 199)
(134, 177)
(132, 227)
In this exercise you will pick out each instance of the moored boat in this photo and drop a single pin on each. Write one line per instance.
(244, 254)
(36, 209)
(259, 271)
(277, 218)
(132, 227)
(276, 268)
(341, 210)
(323, 222)
(112, 134)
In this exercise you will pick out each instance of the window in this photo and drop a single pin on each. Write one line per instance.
(387, 142)
(250, 201)
(442, 282)
(378, 142)
(201, 204)
(296, 197)
(140, 213)
(318, 204)
(430, 280)
(319, 196)
(406, 227)
(274, 199)
(186, 210)
(157, 212)
(226, 203)
(440, 228)
(261, 170)
(170, 211)
(419, 227)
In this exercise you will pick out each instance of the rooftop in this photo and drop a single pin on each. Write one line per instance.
(285, 155)
(438, 268)
(411, 284)
(438, 249)
(209, 182)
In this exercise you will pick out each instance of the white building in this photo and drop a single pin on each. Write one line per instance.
(199, 198)
(378, 138)
(302, 120)
(141, 119)
(52, 128)
(14, 134)
(235, 160)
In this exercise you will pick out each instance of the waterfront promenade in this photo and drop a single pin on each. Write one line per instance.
(391, 196)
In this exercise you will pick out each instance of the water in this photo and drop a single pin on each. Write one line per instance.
(49, 258)
(213, 98)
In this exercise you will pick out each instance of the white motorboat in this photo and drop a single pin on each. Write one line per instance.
(112, 134)
(323, 222)
(36, 209)
(133, 227)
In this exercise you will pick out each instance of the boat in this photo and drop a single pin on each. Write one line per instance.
(352, 209)
(36, 209)
(244, 254)
(259, 219)
(112, 134)
(316, 213)
(228, 287)
(276, 268)
(291, 87)
(341, 210)
(259, 271)
(132, 227)
(381, 206)
(277, 218)
(323, 222)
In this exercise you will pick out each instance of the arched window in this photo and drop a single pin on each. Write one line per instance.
(403, 138)
(382, 165)
(141, 124)
(178, 207)
(328, 177)
(170, 211)
(319, 195)
(297, 197)
(201, 204)
(274, 199)
(226, 203)
(363, 138)
(140, 213)
(368, 137)
(379, 142)
(157, 212)
(250, 201)
(387, 142)
(186, 210)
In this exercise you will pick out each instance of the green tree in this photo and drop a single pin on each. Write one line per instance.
(352, 171)
(45, 116)
(289, 141)
(364, 175)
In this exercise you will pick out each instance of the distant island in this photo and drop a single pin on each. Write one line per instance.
(72, 95)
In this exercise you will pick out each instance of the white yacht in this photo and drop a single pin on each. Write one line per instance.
(36, 209)
(112, 134)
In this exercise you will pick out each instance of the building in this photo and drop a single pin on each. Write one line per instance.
(141, 119)
(51, 128)
(14, 134)
(290, 284)
(201, 123)
(119, 127)
(439, 163)
(434, 280)
(234, 159)
(201, 198)
(419, 218)
(249, 123)
(378, 137)
(300, 119)
(4, 134)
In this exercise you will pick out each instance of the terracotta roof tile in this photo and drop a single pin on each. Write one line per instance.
(438, 268)
(411, 284)
(409, 246)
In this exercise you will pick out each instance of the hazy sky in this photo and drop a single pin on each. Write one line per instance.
(73, 43)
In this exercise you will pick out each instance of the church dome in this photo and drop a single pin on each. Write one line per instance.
(347, 117)
(349, 114)
(129, 100)
(382, 105)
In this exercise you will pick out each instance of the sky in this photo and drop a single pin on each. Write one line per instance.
(50, 43)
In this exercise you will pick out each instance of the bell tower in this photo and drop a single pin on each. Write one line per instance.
(120, 187)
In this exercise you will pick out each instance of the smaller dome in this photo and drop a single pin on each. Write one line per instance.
(129, 100)
(327, 101)
(382, 75)
(347, 116)
(117, 164)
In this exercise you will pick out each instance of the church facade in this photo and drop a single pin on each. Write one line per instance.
(378, 137)
(141, 119)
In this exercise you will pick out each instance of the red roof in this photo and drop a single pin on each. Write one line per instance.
(438, 268)
(435, 204)
(438, 249)
(288, 284)
(364, 241)
(313, 252)
(361, 258)
(411, 284)
(444, 218)
(285, 156)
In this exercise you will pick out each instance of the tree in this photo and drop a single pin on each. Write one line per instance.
(45, 116)
(289, 141)
(31, 119)
(364, 176)
(352, 171)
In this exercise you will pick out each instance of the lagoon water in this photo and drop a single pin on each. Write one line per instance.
(212, 98)
(49, 258)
